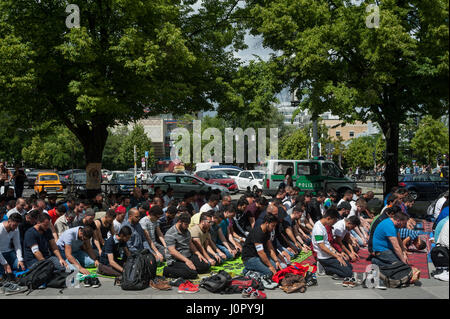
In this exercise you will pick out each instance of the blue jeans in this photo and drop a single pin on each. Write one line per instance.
(225, 251)
(333, 267)
(384, 258)
(12, 261)
(81, 256)
(359, 239)
(255, 264)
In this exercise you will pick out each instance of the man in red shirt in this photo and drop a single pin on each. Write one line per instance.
(57, 212)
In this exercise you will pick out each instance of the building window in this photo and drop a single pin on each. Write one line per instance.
(338, 133)
(352, 134)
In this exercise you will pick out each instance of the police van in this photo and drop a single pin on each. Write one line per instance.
(308, 175)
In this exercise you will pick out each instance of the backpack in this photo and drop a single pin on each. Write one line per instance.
(138, 270)
(439, 256)
(396, 275)
(58, 280)
(39, 273)
(216, 283)
(240, 283)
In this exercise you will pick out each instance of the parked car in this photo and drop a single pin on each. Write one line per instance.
(79, 183)
(218, 178)
(49, 182)
(423, 186)
(182, 184)
(253, 179)
(122, 182)
(32, 175)
(312, 175)
(231, 171)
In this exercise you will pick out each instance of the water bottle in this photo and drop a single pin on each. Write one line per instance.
(72, 281)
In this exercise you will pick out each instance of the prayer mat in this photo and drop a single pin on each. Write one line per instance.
(417, 259)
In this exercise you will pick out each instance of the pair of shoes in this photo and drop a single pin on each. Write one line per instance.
(160, 283)
(177, 282)
(10, 288)
(442, 276)
(92, 282)
(268, 283)
(349, 282)
(252, 293)
(187, 287)
(310, 279)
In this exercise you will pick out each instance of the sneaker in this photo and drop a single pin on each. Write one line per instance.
(87, 281)
(160, 284)
(437, 271)
(247, 292)
(268, 283)
(442, 276)
(95, 282)
(336, 277)
(320, 269)
(310, 279)
(258, 294)
(349, 282)
(177, 282)
(10, 288)
(188, 288)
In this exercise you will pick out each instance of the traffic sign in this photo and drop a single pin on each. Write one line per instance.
(146, 154)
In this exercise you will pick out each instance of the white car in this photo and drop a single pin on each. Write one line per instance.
(252, 179)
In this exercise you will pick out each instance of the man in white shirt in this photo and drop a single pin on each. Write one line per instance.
(341, 234)
(210, 205)
(439, 204)
(10, 259)
(331, 260)
(20, 208)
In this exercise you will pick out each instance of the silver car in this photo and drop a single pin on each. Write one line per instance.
(182, 184)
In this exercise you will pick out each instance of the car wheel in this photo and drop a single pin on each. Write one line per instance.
(255, 189)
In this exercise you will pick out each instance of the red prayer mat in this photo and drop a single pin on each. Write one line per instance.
(416, 259)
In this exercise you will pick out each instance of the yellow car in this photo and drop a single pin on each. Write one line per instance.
(49, 182)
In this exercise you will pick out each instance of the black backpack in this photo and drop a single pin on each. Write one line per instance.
(40, 273)
(439, 256)
(138, 270)
(396, 275)
(216, 283)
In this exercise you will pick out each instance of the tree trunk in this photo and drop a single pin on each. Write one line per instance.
(391, 133)
(93, 140)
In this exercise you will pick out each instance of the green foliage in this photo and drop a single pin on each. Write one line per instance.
(430, 140)
(126, 56)
(360, 151)
(143, 143)
(295, 146)
(55, 147)
(339, 64)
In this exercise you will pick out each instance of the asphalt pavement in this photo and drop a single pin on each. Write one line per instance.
(327, 288)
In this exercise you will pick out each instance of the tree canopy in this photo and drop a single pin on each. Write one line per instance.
(338, 64)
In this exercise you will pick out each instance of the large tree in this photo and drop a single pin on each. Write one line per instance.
(127, 60)
(430, 141)
(326, 50)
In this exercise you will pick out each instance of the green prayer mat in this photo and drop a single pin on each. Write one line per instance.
(233, 267)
